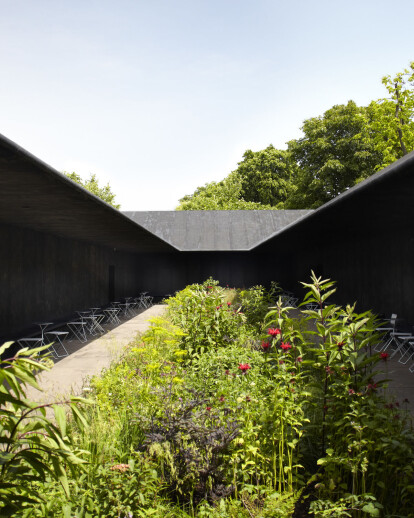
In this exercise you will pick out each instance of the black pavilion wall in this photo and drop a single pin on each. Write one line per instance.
(164, 274)
(48, 278)
(373, 268)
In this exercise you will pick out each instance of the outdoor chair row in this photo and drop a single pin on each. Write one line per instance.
(85, 325)
(397, 342)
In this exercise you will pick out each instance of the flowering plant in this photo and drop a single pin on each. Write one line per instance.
(273, 331)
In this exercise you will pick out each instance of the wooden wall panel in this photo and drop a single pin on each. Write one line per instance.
(44, 277)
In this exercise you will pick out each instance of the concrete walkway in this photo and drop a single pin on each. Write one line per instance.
(85, 360)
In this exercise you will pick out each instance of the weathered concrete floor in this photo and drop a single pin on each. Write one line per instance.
(85, 360)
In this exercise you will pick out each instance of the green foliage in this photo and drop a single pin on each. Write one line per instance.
(335, 152)
(338, 149)
(266, 176)
(207, 320)
(92, 185)
(224, 195)
(261, 419)
(255, 303)
(392, 118)
(364, 505)
(33, 448)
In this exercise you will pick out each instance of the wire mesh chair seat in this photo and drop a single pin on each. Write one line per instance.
(288, 299)
(59, 337)
(77, 330)
(406, 350)
(388, 334)
(111, 315)
(144, 300)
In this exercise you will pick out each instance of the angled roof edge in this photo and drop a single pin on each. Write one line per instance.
(74, 185)
(215, 230)
(394, 168)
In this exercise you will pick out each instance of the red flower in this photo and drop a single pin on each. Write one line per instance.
(227, 372)
(372, 386)
(285, 346)
(228, 304)
(340, 345)
(281, 362)
(265, 345)
(351, 391)
(244, 367)
(299, 359)
(221, 398)
(208, 408)
(384, 356)
(273, 332)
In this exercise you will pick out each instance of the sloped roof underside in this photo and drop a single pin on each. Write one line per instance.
(215, 230)
(36, 196)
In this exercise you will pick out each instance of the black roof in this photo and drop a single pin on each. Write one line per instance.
(384, 200)
(215, 230)
(36, 196)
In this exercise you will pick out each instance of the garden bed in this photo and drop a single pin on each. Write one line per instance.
(224, 408)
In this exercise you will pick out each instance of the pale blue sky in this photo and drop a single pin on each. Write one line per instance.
(159, 97)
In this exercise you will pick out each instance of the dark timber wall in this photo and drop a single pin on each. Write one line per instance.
(363, 239)
(167, 273)
(44, 277)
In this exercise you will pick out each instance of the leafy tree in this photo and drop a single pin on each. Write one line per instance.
(336, 152)
(393, 118)
(93, 186)
(224, 195)
(266, 176)
(344, 146)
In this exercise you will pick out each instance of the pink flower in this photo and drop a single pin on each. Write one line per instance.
(265, 345)
(285, 346)
(299, 359)
(244, 367)
(273, 332)
(351, 391)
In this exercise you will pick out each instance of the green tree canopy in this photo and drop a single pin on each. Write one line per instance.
(92, 185)
(336, 152)
(392, 118)
(338, 149)
(266, 176)
(224, 195)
